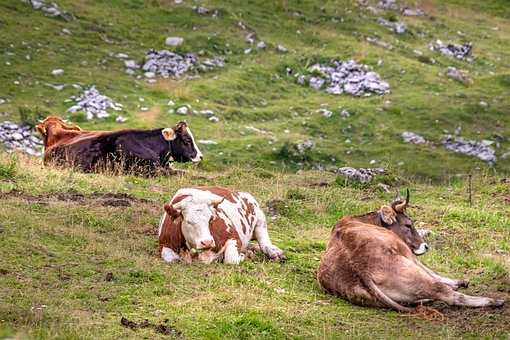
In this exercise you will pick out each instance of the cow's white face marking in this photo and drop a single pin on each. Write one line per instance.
(422, 249)
(199, 155)
(195, 225)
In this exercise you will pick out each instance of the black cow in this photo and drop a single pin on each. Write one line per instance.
(139, 151)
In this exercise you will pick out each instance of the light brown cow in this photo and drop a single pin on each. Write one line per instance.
(213, 224)
(369, 261)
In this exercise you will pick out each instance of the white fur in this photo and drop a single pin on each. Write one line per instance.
(168, 255)
(422, 249)
(199, 155)
(232, 255)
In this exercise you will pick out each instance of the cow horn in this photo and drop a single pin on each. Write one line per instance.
(401, 206)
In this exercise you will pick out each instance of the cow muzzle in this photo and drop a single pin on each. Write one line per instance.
(422, 249)
(205, 244)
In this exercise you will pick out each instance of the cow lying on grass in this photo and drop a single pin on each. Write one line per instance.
(369, 261)
(139, 151)
(213, 224)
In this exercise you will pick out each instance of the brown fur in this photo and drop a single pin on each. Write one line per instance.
(370, 265)
(227, 194)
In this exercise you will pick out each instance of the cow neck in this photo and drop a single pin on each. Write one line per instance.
(169, 157)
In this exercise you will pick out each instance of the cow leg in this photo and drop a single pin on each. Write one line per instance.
(232, 255)
(262, 236)
(455, 284)
(168, 255)
(446, 293)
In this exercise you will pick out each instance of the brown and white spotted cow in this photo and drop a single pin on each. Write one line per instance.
(213, 224)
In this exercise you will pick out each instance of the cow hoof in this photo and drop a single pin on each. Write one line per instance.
(275, 254)
(498, 303)
(463, 283)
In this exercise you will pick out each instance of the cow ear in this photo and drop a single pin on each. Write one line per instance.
(170, 210)
(41, 128)
(168, 134)
(388, 215)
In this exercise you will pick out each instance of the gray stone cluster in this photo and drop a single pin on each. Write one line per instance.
(50, 9)
(457, 75)
(392, 5)
(411, 137)
(459, 51)
(344, 77)
(397, 27)
(481, 150)
(93, 104)
(205, 11)
(168, 64)
(307, 145)
(363, 175)
(21, 138)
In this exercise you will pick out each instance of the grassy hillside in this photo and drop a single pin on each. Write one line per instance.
(79, 251)
(64, 232)
(254, 90)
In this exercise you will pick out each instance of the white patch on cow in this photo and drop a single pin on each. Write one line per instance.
(168, 255)
(232, 255)
(161, 221)
(422, 249)
(199, 155)
(168, 134)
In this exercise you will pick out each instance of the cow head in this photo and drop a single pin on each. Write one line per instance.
(184, 148)
(53, 128)
(196, 215)
(394, 218)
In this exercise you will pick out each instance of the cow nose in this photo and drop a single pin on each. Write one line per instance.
(207, 244)
(426, 246)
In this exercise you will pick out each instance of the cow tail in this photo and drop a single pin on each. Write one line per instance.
(385, 299)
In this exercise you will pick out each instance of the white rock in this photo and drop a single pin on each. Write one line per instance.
(214, 119)
(174, 41)
(207, 142)
(122, 55)
(183, 110)
(170, 103)
(131, 64)
(261, 45)
(57, 72)
(149, 74)
(121, 119)
(281, 49)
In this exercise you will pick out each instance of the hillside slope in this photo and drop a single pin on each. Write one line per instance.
(254, 90)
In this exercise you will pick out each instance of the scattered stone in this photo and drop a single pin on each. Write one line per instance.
(363, 175)
(411, 137)
(200, 10)
(131, 64)
(121, 119)
(345, 76)
(281, 49)
(505, 155)
(325, 112)
(149, 74)
(168, 64)
(207, 142)
(380, 43)
(93, 104)
(247, 51)
(122, 55)
(412, 12)
(307, 145)
(66, 31)
(174, 41)
(2, 101)
(481, 150)
(170, 103)
(388, 5)
(261, 45)
(459, 51)
(58, 87)
(483, 104)
(214, 119)
(208, 113)
(211, 63)
(345, 114)
(397, 27)
(183, 110)
(50, 9)
(384, 187)
(457, 75)
(21, 138)
(57, 72)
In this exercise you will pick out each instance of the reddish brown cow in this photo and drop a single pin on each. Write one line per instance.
(369, 261)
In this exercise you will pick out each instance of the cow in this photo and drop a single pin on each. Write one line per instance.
(144, 151)
(371, 260)
(213, 224)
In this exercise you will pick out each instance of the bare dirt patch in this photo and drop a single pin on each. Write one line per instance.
(118, 200)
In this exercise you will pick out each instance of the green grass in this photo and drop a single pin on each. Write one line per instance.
(58, 253)
(254, 89)
(58, 250)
